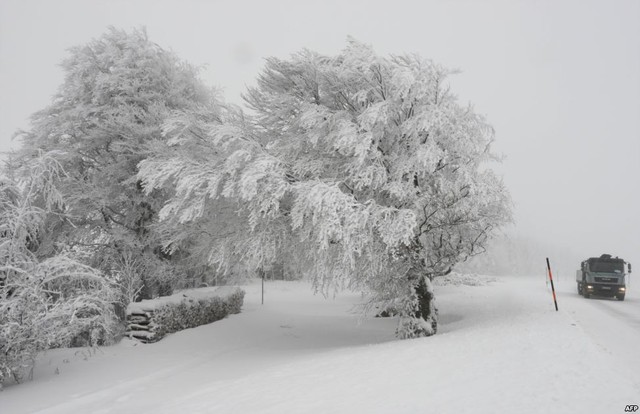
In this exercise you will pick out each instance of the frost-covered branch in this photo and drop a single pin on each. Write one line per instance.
(356, 170)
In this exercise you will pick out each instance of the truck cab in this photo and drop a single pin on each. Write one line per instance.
(603, 276)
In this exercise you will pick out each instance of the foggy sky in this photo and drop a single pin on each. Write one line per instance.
(559, 81)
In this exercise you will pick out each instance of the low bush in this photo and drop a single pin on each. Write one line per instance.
(182, 311)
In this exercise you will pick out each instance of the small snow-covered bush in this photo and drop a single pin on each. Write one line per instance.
(48, 297)
(169, 319)
(55, 303)
(151, 320)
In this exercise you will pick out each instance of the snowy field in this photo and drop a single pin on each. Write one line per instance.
(502, 348)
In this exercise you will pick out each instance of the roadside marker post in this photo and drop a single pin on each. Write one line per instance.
(553, 290)
(546, 278)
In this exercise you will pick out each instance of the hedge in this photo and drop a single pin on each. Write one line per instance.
(151, 320)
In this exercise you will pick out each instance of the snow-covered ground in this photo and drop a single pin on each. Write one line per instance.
(502, 348)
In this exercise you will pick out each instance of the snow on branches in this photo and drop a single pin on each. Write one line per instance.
(50, 301)
(355, 169)
(118, 92)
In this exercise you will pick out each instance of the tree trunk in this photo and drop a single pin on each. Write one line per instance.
(426, 304)
(420, 316)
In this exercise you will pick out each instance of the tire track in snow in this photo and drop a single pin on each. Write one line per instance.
(610, 324)
(615, 309)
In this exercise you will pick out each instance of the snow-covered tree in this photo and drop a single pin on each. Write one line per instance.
(44, 302)
(117, 92)
(357, 170)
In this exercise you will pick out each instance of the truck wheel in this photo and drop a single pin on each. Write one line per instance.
(620, 297)
(579, 288)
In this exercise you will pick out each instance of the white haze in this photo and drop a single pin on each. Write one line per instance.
(559, 81)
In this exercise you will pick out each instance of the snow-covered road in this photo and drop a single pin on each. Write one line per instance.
(612, 325)
(501, 348)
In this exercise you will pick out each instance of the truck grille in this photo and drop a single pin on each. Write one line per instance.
(606, 279)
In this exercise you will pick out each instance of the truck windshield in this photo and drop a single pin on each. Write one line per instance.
(606, 267)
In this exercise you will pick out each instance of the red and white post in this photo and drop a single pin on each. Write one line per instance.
(553, 290)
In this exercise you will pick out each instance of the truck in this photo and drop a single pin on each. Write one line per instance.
(603, 276)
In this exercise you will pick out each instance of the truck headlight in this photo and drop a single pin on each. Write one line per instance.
(589, 287)
(622, 289)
